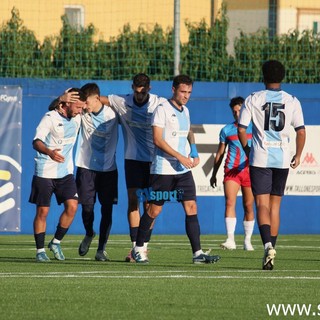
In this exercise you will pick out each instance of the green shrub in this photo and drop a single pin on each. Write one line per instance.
(74, 54)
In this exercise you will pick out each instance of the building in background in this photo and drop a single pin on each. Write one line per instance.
(109, 16)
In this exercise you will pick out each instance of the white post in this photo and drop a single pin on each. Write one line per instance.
(176, 37)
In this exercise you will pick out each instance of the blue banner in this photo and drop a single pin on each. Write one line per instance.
(10, 157)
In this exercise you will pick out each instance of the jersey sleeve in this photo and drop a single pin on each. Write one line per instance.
(245, 113)
(223, 135)
(117, 102)
(43, 128)
(297, 119)
(158, 117)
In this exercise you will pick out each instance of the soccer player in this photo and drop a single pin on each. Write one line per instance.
(272, 112)
(135, 111)
(97, 174)
(171, 169)
(236, 176)
(54, 140)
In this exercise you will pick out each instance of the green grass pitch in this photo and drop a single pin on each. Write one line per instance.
(169, 287)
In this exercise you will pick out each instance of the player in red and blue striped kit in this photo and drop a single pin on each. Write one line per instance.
(236, 176)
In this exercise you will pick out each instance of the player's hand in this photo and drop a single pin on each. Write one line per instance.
(56, 156)
(213, 181)
(247, 150)
(196, 161)
(186, 162)
(69, 96)
(295, 162)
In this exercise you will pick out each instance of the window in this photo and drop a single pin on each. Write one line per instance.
(75, 15)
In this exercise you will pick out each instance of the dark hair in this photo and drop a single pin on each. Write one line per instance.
(90, 89)
(273, 71)
(181, 79)
(141, 80)
(236, 100)
(82, 96)
(56, 102)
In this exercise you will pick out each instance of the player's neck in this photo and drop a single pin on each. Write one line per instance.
(97, 108)
(177, 105)
(62, 112)
(273, 86)
(141, 103)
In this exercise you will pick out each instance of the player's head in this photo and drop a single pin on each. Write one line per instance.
(235, 105)
(181, 89)
(273, 71)
(90, 89)
(181, 79)
(55, 104)
(92, 92)
(141, 88)
(141, 80)
(72, 109)
(236, 101)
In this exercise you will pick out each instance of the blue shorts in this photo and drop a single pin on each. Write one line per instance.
(42, 189)
(268, 180)
(97, 183)
(137, 174)
(183, 184)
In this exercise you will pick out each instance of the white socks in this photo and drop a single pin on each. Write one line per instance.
(197, 253)
(267, 245)
(231, 227)
(248, 230)
(145, 245)
(248, 227)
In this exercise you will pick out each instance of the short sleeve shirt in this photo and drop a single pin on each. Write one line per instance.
(56, 132)
(236, 157)
(273, 113)
(136, 125)
(176, 126)
(97, 141)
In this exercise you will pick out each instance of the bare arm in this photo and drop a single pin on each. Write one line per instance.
(190, 137)
(300, 142)
(104, 100)
(217, 162)
(42, 148)
(65, 97)
(163, 145)
(242, 135)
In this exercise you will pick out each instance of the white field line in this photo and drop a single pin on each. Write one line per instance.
(180, 244)
(161, 271)
(176, 241)
(173, 274)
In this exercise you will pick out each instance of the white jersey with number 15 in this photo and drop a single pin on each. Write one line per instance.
(272, 112)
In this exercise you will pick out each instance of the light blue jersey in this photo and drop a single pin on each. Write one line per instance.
(56, 132)
(136, 125)
(97, 142)
(176, 126)
(272, 112)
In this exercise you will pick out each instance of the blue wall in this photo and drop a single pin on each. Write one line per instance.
(208, 105)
